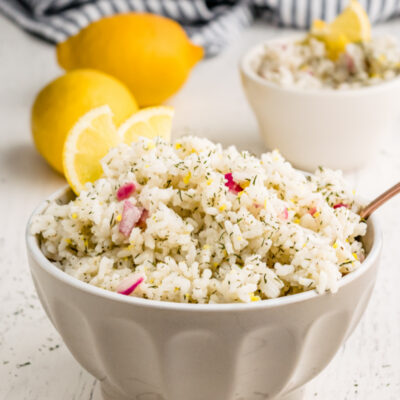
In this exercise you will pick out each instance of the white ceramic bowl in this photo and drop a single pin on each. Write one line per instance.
(150, 350)
(335, 128)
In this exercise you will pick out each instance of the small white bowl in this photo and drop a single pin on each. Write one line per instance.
(151, 350)
(340, 129)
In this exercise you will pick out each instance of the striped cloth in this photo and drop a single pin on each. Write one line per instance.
(210, 23)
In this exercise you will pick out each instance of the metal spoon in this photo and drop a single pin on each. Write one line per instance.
(383, 198)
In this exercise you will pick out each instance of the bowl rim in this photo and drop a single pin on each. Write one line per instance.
(49, 267)
(251, 54)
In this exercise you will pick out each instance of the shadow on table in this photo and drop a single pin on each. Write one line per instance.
(22, 163)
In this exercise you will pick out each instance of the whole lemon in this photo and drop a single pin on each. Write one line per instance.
(151, 54)
(63, 101)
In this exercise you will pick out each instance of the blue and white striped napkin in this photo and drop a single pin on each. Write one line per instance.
(210, 23)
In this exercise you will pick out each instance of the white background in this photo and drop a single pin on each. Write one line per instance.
(211, 104)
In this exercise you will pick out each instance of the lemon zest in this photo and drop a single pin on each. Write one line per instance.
(187, 177)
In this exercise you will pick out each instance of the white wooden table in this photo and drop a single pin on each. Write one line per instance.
(34, 362)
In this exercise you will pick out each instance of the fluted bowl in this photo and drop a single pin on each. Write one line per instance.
(151, 350)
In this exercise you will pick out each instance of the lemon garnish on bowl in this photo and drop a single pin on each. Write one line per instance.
(149, 122)
(351, 26)
(353, 22)
(86, 144)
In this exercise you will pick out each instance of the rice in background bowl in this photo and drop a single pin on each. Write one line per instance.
(306, 64)
(215, 225)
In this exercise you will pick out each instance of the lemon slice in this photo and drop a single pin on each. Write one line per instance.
(149, 122)
(351, 26)
(86, 144)
(353, 22)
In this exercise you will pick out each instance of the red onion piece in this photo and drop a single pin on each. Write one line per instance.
(231, 184)
(313, 210)
(131, 288)
(130, 216)
(143, 217)
(285, 214)
(229, 177)
(350, 65)
(338, 205)
(125, 191)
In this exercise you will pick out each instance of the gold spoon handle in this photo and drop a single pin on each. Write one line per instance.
(383, 198)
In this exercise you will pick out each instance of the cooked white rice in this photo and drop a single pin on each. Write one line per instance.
(282, 234)
(306, 65)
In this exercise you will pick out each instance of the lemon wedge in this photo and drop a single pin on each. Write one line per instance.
(86, 144)
(353, 22)
(351, 26)
(149, 122)
(95, 133)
